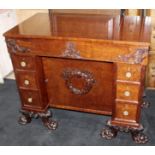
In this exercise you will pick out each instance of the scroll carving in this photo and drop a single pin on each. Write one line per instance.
(134, 58)
(71, 51)
(14, 47)
(69, 74)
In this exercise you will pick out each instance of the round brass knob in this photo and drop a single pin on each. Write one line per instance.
(23, 63)
(128, 74)
(26, 82)
(29, 99)
(125, 113)
(126, 93)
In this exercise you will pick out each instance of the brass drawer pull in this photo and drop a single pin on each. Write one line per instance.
(128, 74)
(29, 99)
(125, 113)
(23, 64)
(26, 82)
(126, 93)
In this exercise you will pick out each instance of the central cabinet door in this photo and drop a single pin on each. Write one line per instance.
(79, 84)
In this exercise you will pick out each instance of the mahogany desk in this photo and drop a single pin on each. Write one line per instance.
(89, 63)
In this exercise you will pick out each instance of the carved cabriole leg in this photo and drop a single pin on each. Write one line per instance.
(45, 117)
(137, 134)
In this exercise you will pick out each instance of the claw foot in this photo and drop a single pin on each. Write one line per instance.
(24, 119)
(145, 104)
(139, 137)
(50, 124)
(109, 133)
(45, 117)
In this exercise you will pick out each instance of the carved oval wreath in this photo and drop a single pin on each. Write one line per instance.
(68, 74)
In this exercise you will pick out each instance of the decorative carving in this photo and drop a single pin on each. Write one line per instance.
(139, 137)
(24, 119)
(27, 116)
(111, 131)
(71, 51)
(12, 44)
(145, 104)
(134, 58)
(69, 74)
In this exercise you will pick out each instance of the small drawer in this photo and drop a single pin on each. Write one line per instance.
(23, 62)
(127, 91)
(128, 72)
(126, 111)
(26, 79)
(30, 98)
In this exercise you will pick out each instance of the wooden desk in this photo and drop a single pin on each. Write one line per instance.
(89, 63)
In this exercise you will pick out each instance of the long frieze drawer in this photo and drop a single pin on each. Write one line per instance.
(127, 91)
(126, 111)
(30, 98)
(27, 79)
(128, 72)
(80, 49)
(23, 62)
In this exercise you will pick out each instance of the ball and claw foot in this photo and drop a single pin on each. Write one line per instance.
(139, 137)
(24, 119)
(108, 133)
(50, 124)
(145, 104)
(45, 117)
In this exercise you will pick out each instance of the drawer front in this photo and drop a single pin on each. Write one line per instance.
(128, 72)
(26, 79)
(85, 49)
(126, 111)
(127, 91)
(23, 62)
(30, 98)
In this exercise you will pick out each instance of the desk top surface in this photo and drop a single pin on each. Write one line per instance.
(128, 28)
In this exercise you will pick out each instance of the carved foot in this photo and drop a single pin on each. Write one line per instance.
(50, 124)
(24, 119)
(109, 133)
(139, 137)
(27, 116)
(145, 104)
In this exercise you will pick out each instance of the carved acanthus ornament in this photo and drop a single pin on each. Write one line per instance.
(14, 47)
(70, 51)
(134, 58)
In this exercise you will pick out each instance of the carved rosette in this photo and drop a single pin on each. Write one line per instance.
(14, 47)
(70, 51)
(134, 58)
(68, 74)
